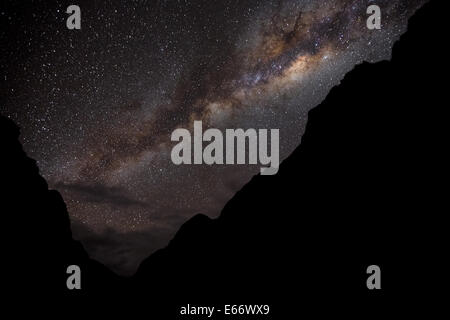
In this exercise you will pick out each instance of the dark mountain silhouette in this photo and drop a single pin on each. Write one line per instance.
(40, 241)
(364, 187)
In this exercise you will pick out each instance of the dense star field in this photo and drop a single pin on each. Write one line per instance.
(97, 106)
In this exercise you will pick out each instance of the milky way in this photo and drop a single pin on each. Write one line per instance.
(97, 105)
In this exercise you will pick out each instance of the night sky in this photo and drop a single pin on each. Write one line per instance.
(97, 106)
